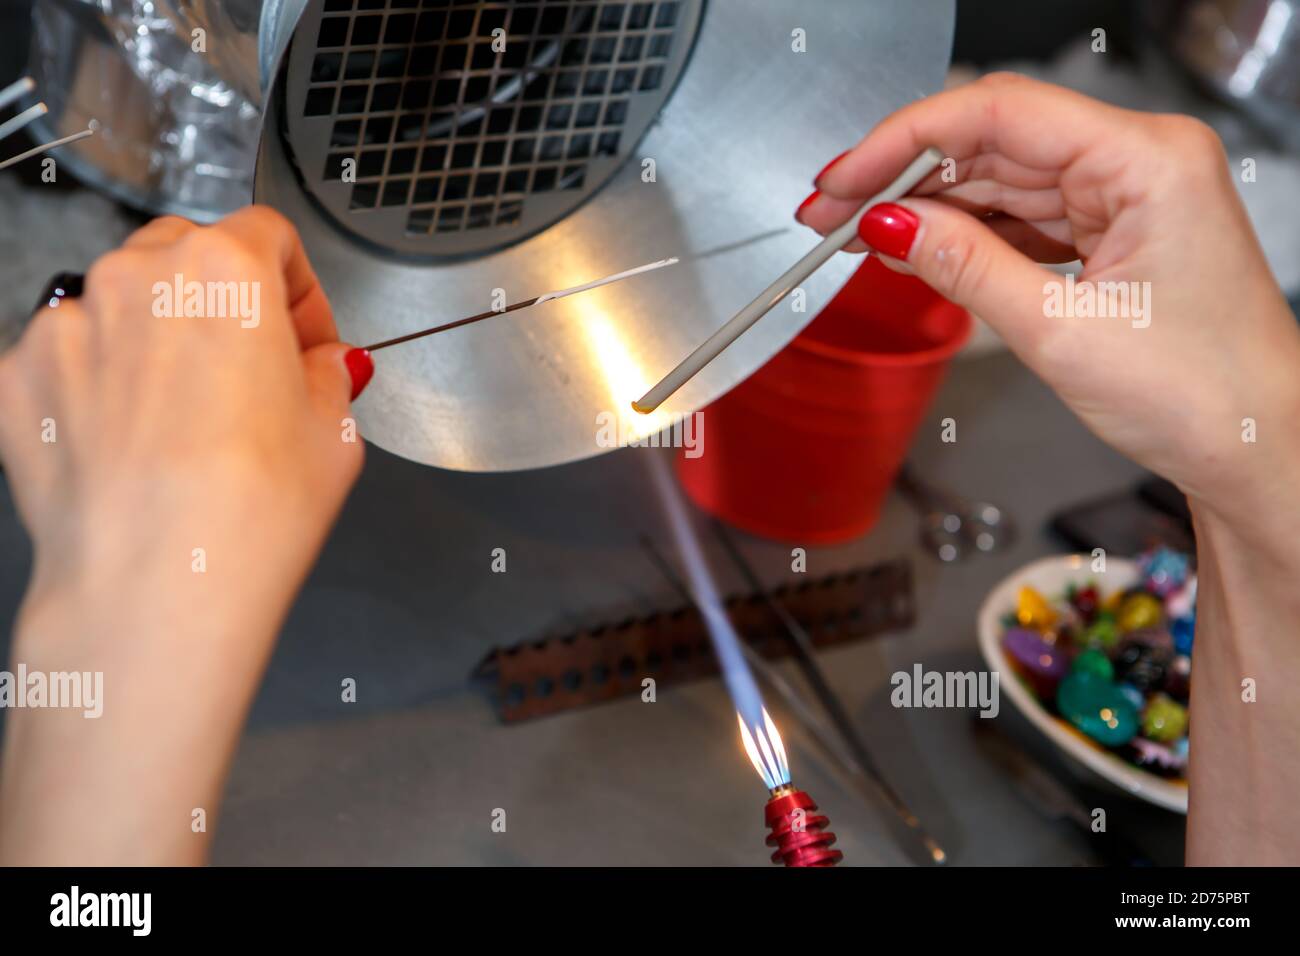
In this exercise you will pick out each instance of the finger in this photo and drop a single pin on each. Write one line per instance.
(966, 262)
(1034, 125)
(10, 394)
(991, 166)
(824, 212)
(336, 374)
(160, 232)
(1043, 241)
(984, 196)
(274, 239)
(52, 349)
(313, 318)
(1002, 169)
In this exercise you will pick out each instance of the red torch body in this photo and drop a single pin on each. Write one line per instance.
(798, 832)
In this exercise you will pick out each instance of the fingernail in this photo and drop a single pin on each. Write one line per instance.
(889, 229)
(817, 180)
(361, 367)
(798, 213)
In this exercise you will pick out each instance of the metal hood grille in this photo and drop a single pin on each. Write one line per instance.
(440, 128)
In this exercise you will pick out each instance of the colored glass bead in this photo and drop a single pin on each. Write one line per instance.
(1164, 720)
(1101, 634)
(1184, 631)
(1182, 603)
(1157, 757)
(1087, 602)
(1033, 611)
(1139, 611)
(1178, 679)
(1068, 624)
(1156, 638)
(1095, 663)
(1164, 570)
(1133, 696)
(1142, 665)
(1039, 663)
(1098, 708)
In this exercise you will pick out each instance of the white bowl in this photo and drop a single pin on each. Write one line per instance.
(1051, 577)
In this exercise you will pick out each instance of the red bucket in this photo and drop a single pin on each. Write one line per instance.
(806, 448)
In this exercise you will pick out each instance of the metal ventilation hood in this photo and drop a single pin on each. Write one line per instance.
(739, 136)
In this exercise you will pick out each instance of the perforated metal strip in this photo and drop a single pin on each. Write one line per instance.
(539, 677)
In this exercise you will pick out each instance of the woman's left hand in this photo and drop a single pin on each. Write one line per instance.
(178, 443)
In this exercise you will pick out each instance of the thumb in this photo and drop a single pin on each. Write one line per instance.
(336, 373)
(964, 261)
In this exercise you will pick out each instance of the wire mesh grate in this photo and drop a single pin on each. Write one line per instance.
(465, 125)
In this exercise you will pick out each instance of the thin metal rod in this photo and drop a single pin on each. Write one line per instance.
(866, 778)
(801, 643)
(15, 90)
(616, 277)
(916, 171)
(515, 307)
(37, 150)
(22, 119)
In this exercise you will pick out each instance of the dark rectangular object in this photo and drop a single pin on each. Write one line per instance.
(1126, 523)
(536, 678)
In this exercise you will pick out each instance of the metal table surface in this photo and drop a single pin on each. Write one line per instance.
(404, 601)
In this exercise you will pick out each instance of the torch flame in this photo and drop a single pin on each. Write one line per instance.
(623, 373)
(766, 751)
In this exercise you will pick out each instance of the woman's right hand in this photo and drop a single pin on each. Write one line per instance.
(1047, 175)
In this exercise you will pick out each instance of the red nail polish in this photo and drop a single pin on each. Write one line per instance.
(798, 213)
(361, 367)
(827, 168)
(889, 229)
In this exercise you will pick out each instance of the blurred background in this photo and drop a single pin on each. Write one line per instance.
(454, 719)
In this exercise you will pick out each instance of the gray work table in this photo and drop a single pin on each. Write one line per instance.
(404, 601)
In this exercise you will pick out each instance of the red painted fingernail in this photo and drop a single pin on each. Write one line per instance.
(889, 229)
(361, 367)
(798, 213)
(827, 168)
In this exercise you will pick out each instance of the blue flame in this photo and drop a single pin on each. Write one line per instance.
(739, 679)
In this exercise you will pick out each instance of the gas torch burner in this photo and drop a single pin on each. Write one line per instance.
(798, 833)
(800, 836)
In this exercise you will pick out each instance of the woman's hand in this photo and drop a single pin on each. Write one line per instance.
(1045, 175)
(178, 473)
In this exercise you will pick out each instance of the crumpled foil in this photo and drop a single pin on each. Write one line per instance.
(177, 112)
